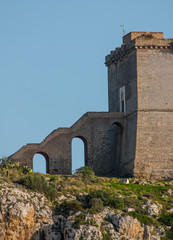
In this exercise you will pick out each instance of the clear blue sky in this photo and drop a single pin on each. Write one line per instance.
(52, 60)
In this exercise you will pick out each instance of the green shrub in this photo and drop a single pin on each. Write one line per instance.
(50, 192)
(150, 195)
(108, 198)
(67, 206)
(86, 173)
(96, 205)
(142, 211)
(27, 170)
(143, 219)
(131, 202)
(6, 163)
(106, 235)
(81, 220)
(36, 182)
(169, 234)
(166, 219)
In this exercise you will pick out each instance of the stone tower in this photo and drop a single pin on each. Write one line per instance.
(140, 84)
(135, 137)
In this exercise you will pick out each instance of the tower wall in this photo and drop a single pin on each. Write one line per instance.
(155, 77)
(144, 65)
(154, 151)
(121, 73)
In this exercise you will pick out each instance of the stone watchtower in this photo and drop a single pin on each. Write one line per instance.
(140, 82)
(135, 137)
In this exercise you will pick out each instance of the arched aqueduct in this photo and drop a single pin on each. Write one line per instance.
(96, 130)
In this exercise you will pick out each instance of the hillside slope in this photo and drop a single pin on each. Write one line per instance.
(82, 206)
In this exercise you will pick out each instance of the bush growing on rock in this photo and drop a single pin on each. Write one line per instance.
(67, 206)
(169, 234)
(143, 219)
(108, 198)
(81, 219)
(96, 205)
(166, 218)
(86, 173)
(36, 182)
(27, 170)
(131, 202)
(7, 164)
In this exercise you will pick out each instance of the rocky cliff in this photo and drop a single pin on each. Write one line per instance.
(82, 206)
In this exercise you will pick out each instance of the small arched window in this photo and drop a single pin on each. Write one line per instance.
(122, 99)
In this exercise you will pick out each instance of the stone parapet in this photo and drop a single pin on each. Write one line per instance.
(132, 35)
(144, 41)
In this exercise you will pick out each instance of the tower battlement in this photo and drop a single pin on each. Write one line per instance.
(138, 40)
(132, 35)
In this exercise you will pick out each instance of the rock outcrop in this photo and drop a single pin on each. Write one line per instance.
(29, 215)
(22, 212)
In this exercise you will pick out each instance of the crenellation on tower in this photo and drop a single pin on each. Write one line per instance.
(138, 40)
(149, 35)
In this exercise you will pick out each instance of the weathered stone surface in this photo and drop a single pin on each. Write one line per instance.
(170, 210)
(143, 67)
(152, 208)
(127, 225)
(95, 131)
(21, 213)
(147, 232)
(124, 180)
(129, 210)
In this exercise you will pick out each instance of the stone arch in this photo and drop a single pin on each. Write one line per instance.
(116, 147)
(85, 149)
(46, 157)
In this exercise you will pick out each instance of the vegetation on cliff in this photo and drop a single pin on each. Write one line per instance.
(82, 196)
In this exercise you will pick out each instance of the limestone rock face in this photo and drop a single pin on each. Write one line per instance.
(21, 213)
(27, 216)
(152, 208)
(119, 226)
(128, 226)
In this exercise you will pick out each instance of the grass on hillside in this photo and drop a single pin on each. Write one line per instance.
(84, 191)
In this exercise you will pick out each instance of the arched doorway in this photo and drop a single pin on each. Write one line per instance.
(79, 153)
(116, 147)
(41, 163)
